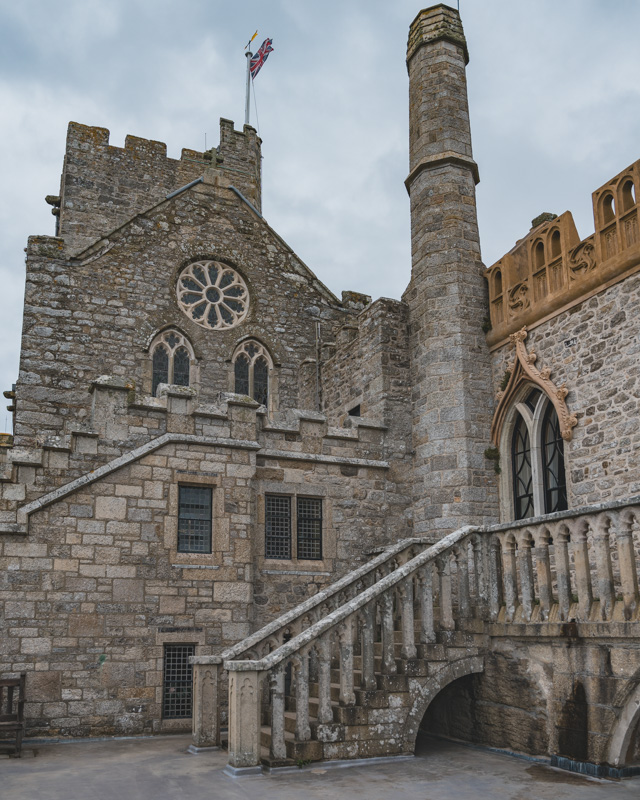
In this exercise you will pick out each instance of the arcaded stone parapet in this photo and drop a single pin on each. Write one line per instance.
(551, 269)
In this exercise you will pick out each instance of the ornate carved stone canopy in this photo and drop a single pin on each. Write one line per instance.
(524, 370)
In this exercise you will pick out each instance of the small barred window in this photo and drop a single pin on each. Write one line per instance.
(194, 519)
(177, 681)
(171, 358)
(280, 532)
(309, 524)
(277, 526)
(251, 368)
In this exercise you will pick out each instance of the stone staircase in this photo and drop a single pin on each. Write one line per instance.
(376, 705)
(350, 672)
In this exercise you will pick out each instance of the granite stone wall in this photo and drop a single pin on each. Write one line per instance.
(593, 349)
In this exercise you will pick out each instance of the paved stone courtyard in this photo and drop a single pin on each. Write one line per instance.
(155, 769)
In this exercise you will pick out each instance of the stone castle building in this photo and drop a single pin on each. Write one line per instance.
(206, 437)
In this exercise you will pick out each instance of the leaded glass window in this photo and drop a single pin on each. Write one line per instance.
(241, 371)
(277, 515)
(194, 519)
(309, 528)
(521, 466)
(171, 360)
(555, 485)
(181, 367)
(261, 381)
(160, 367)
(177, 684)
(252, 368)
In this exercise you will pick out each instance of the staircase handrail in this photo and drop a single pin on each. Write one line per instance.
(309, 604)
(291, 647)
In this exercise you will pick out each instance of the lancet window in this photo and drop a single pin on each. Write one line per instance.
(537, 458)
(171, 359)
(251, 369)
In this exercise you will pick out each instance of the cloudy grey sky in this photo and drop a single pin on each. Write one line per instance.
(554, 88)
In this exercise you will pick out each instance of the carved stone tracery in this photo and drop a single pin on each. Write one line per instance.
(582, 259)
(523, 371)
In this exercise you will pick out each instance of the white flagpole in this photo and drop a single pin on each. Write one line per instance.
(249, 56)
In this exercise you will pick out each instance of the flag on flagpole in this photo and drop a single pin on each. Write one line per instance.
(248, 44)
(260, 57)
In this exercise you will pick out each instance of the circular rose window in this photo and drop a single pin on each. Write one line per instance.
(212, 295)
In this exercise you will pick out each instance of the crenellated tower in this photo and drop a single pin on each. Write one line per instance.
(452, 399)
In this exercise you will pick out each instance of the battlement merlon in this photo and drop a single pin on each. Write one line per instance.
(102, 186)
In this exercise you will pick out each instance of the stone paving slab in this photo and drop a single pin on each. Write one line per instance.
(155, 769)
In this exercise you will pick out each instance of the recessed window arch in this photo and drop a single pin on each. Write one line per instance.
(608, 208)
(556, 247)
(252, 369)
(171, 360)
(497, 283)
(536, 480)
(628, 195)
(539, 255)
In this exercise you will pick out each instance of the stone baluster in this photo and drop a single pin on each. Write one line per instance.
(244, 718)
(408, 627)
(276, 681)
(481, 570)
(543, 568)
(580, 549)
(206, 706)
(325, 711)
(388, 644)
(495, 578)
(303, 729)
(563, 571)
(525, 566)
(368, 653)
(510, 577)
(623, 526)
(604, 569)
(461, 554)
(425, 588)
(446, 607)
(347, 695)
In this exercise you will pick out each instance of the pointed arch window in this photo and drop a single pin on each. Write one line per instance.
(555, 484)
(252, 367)
(538, 478)
(521, 470)
(171, 360)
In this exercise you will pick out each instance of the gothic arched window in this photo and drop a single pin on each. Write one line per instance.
(538, 481)
(251, 370)
(171, 358)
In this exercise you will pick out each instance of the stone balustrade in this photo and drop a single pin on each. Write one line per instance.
(389, 617)
(579, 565)
(208, 670)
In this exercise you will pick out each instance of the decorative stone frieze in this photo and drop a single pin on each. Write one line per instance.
(551, 269)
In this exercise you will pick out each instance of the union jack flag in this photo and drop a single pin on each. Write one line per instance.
(256, 63)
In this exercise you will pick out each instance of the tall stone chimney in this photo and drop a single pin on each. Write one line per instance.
(454, 484)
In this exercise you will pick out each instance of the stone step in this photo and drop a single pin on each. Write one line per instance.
(296, 751)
